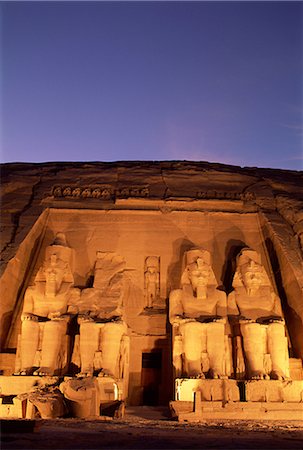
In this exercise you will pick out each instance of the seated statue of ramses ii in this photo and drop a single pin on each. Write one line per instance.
(43, 345)
(197, 313)
(254, 305)
(102, 326)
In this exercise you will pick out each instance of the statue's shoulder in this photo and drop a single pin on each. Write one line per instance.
(221, 295)
(35, 289)
(231, 295)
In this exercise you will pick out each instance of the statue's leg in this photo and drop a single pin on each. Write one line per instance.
(278, 349)
(111, 335)
(254, 338)
(193, 334)
(53, 337)
(89, 344)
(29, 345)
(216, 349)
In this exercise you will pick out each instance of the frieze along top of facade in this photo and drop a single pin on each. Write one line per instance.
(98, 192)
(105, 192)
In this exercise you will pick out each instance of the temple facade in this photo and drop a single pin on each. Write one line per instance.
(144, 283)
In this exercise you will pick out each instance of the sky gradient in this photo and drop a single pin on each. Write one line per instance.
(106, 81)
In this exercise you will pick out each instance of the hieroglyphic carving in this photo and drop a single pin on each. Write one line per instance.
(244, 196)
(99, 192)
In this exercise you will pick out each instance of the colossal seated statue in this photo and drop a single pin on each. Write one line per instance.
(103, 332)
(43, 341)
(256, 308)
(197, 313)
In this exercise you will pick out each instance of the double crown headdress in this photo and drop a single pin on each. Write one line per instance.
(58, 254)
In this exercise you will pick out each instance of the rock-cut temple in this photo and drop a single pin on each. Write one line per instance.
(151, 283)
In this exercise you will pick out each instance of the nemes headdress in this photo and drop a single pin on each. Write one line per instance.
(58, 254)
(244, 257)
(196, 257)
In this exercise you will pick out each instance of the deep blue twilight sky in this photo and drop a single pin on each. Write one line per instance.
(105, 81)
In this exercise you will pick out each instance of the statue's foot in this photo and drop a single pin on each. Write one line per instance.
(23, 372)
(258, 375)
(216, 375)
(84, 374)
(105, 373)
(43, 372)
(278, 375)
(196, 376)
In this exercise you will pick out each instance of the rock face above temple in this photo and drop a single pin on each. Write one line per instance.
(28, 189)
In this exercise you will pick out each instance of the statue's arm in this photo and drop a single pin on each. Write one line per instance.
(73, 301)
(277, 305)
(28, 305)
(175, 306)
(232, 307)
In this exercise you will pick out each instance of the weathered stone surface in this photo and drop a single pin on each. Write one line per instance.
(210, 390)
(149, 214)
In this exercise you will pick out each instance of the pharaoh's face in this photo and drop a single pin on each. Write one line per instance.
(198, 274)
(54, 274)
(252, 275)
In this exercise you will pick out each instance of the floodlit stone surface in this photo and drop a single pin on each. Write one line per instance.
(96, 257)
(255, 308)
(43, 341)
(197, 313)
(210, 390)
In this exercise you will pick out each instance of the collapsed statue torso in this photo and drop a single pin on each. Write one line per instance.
(100, 316)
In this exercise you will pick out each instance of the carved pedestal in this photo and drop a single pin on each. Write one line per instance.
(198, 400)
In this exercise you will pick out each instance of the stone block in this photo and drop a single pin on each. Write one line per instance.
(13, 409)
(274, 391)
(295, 369)
(12, 385)
(7, 363)
(211, 390)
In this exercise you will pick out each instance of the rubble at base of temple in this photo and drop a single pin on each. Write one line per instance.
(164, 283)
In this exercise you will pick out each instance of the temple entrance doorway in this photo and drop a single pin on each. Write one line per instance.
(151, 377)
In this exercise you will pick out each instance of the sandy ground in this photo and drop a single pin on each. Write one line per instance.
(151, 428)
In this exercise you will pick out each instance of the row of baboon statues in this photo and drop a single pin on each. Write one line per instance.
(202, 318)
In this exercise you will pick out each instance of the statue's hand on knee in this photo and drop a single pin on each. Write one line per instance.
(29, 317)
(270, 319)
(219, 319)
(84, 318)
(245, 320)
(57, 316)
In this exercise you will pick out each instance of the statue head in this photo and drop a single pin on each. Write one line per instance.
(152, 264)
(250, 272)
(198, 271)
(56, 268)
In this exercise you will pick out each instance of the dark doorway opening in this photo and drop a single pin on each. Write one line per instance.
(151, 377)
